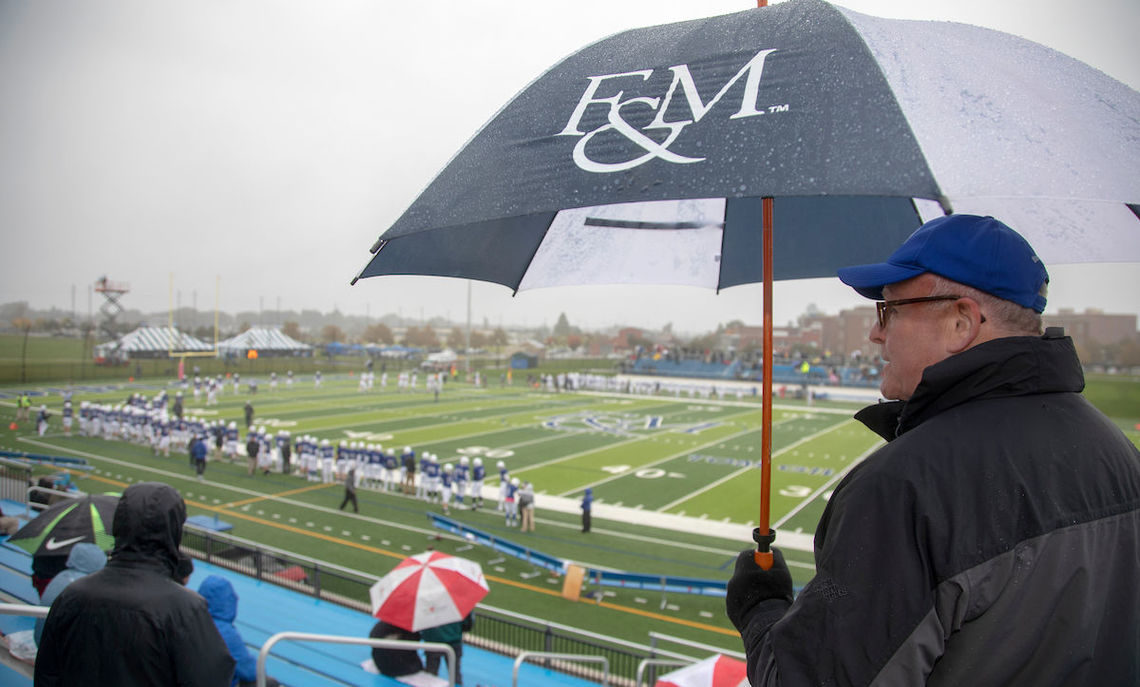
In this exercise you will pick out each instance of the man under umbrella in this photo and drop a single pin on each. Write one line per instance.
(994, 539)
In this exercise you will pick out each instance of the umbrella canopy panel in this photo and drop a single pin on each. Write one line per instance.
(57, 529)
(714, 671)
(428, 590)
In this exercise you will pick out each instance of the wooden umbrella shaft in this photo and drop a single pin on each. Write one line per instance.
(763, 534)
(766, 385)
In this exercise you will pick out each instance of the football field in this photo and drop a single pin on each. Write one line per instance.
(648, 459)
(693, 457)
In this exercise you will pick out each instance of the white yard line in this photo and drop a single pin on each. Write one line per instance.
(827, 485)
(741, 471)
(673, 457)
(610, 446)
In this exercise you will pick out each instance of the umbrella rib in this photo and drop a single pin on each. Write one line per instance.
(529, 260)
(630, 224)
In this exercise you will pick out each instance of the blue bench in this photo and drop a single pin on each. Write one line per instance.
(294, 675)
(265, 609)
(16, 623)
(16, 509)
(12, 678)
(15, 559)
(18, 585)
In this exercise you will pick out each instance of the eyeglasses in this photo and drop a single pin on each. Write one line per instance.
(883, 308)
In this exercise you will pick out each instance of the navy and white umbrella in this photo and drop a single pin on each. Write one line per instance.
(651, 156)
(643, 157)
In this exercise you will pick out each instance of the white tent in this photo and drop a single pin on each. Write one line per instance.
(151, 342)
(265, 341)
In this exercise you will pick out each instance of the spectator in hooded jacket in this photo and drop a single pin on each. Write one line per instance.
(222, 600)
(131, 624)
(84, 559)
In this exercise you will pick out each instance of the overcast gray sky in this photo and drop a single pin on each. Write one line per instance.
(269, 143)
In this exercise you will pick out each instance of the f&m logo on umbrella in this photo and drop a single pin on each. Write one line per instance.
(650, 148)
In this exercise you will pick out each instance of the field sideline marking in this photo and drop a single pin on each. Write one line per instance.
(741, 471)
(392, 554)
(838, 476)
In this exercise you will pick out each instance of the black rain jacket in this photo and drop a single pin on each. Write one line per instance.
(995, 540)
(130, 624)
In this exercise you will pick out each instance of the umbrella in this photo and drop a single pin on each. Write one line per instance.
(428, 590)
(717, 670)
(50, 536)
(654, 156)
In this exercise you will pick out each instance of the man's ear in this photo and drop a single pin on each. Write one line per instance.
(966, 325)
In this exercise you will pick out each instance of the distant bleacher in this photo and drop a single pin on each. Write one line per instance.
(686, 368)
(68, 462)
(793, 374)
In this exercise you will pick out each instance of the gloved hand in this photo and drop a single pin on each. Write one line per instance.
(750, 585)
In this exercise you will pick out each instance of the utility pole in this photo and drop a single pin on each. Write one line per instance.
(467, 353)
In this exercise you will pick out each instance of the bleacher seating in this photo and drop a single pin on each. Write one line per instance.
(686, 368)
(782, 373)
(16, 573)
(265, 609)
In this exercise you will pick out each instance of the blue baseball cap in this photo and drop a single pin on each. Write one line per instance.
(976, 251)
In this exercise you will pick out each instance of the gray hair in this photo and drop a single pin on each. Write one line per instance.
(1008, 316)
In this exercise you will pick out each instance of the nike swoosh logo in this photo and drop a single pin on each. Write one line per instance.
(52, 544)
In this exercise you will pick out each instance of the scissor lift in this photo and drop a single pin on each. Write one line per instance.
(111, 308)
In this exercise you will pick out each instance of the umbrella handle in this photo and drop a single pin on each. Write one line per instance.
(763, 553)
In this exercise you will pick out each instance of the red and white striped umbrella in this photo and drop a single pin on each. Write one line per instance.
(715, 671)
(427, 590)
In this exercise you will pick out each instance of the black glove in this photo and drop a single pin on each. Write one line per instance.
(751, 584)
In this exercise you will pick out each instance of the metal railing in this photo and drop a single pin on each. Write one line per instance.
(317, 578)
(526, 655)
(14, 479)
(495, 629)
(263, 655)
(655, 663)
(24, 609)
